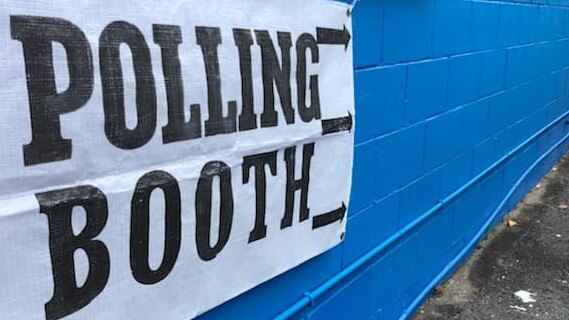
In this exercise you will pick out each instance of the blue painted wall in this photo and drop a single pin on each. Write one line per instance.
(460, 110)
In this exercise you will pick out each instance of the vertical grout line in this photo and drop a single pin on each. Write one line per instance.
(505, 72)
(382, 35)
(448, 61)
(406, 96)
(433, 23)
(480, 72)
(505, 48)
(424, 148)
(399, 212)
(470, 32)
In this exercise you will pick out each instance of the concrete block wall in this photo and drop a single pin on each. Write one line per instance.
(461, 108)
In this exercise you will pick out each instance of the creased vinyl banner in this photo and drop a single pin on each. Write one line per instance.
(161, 157)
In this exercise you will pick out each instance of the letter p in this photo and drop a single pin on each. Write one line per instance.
(46, 104)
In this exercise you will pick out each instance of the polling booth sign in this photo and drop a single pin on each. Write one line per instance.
(161, 157)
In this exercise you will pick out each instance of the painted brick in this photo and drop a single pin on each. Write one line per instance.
(485, 153)
(367, 17)
(498, 112)
(492, 72)
(519, 102)
(474, 122)
(556, 108)
(560, 83)
(433, 251)
(465, 221)
(443, 139)
(419, 196)
(393, 272)
(508, 30)
(365, 175)
(546, 24)
(386, 164)
(464, 79)
(357, 308)
(484, 25)
(404, 20)
(518, 165)
(544, 90)
(451, 27)
(370, 227)
(380, 97)
(527, 31)
(493, 191)
(522, 64)
(398, 159)
(427, 89)
(456, 173)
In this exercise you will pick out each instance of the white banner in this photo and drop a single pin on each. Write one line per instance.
(161, 157)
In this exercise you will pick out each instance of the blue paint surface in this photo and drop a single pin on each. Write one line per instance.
(445, 90)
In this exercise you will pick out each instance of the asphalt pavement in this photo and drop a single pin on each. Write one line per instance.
(521, 270)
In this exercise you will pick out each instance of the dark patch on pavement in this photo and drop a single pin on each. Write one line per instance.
(531, 256)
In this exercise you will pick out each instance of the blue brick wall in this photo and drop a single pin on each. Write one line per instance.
(460, 110)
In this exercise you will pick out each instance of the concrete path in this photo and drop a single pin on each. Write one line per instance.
(528, 256)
